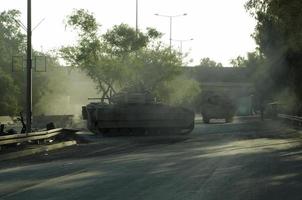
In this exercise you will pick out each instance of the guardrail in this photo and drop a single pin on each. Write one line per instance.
(41, 135)
(295, 120)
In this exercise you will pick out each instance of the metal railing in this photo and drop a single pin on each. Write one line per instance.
(294, 120)
(41, 135)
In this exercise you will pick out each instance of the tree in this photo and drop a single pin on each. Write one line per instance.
(181, 91)
(122, 58)
(207, 62)
(122, 39)
(254, 63)
(9, 91)
(239, 62)
(11, 43)
(278, 34)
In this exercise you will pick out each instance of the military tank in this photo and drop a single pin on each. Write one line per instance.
(217, 106)
(137, 113)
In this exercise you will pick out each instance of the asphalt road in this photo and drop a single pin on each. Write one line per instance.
(247, 159)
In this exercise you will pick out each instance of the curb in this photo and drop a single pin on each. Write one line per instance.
(29, 152)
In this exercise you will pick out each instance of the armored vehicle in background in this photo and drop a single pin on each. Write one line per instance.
(217, 106)
(137, 113)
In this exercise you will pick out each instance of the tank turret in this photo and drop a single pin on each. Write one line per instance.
(133, 98)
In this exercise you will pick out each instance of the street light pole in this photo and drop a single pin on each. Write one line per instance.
(181, 41)
(29, 70)
(171, 17)
(170, 32)
(136, 24)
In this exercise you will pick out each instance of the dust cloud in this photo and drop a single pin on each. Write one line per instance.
(70, 90)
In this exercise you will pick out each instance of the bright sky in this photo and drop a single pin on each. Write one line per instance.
(220, 29)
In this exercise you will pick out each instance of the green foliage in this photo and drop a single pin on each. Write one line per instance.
(152, 67)
(278, 34)
(207, 62)
(153, 33)
(254, 63)
(257, 70)
(11, 38)
(119, 59)
(288, 100)
(9, 104)
(11, 43)
(84, 21)
(123, 58)
(123, 39)
(180, 91)
(240, 61)
(46, 85)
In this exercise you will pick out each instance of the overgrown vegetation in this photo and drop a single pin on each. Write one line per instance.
(278, 60)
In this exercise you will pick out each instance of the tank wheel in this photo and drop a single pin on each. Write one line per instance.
(138, 131)
(112, 132)
(188, 130)
(153, 131)
(125, 131)
(170, 131)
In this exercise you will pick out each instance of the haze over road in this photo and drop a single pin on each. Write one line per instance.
(247, 159)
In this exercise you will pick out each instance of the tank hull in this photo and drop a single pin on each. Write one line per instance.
(132, 117)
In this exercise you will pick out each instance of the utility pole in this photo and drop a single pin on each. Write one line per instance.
(170, 18)
(29, 71)
(170, 32)
(181, 42)
(136, 24)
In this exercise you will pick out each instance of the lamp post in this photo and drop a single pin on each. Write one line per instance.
(136, 18)
(29, 71)
(181, 41)
(28, 91)
(171, 17)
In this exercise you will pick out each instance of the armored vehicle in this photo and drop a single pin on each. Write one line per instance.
(137, 113)
(217, 106)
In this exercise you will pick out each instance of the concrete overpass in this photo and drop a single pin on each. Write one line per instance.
(234, 82)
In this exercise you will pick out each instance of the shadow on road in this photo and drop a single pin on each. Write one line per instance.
(252, 160)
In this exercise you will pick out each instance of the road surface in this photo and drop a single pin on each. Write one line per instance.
(247, 159)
